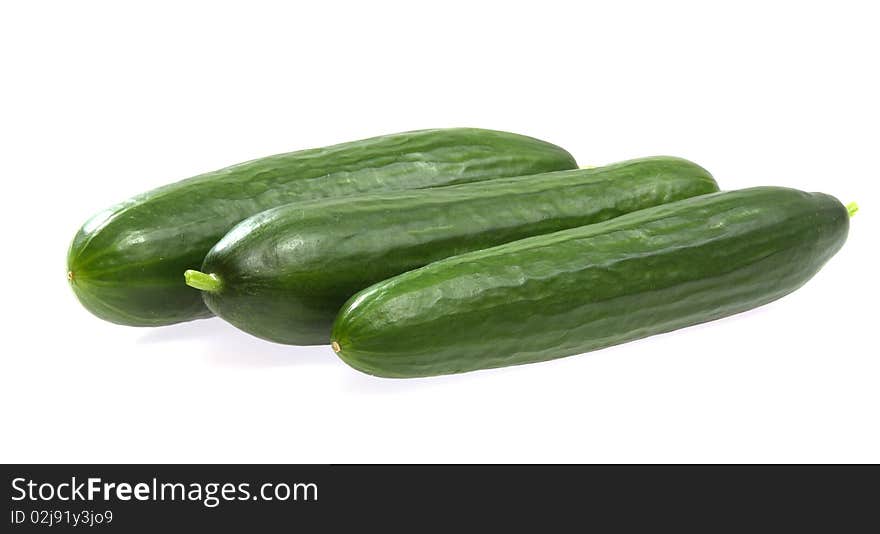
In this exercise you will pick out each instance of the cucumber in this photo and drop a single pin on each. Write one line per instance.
(126, 263)
(283, 274)
(586, 288)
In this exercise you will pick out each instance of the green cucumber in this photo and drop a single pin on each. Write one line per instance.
(125, 263)
(586, 288)
(283, 274)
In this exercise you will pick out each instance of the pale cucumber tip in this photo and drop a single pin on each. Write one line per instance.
(852, 208)
(204, 282)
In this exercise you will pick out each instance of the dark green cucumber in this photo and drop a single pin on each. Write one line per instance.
(125, 263)
(284, 274)
(587, 288)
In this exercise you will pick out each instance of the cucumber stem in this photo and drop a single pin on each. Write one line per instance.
(852, 208)
(202, 281)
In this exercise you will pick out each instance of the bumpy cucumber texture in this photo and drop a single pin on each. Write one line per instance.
(586, 288)
(283, 274)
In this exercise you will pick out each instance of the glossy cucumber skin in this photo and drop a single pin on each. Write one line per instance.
(583, 289)
(126, 263)
(286, 272)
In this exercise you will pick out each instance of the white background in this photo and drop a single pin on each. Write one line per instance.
(101, 100)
